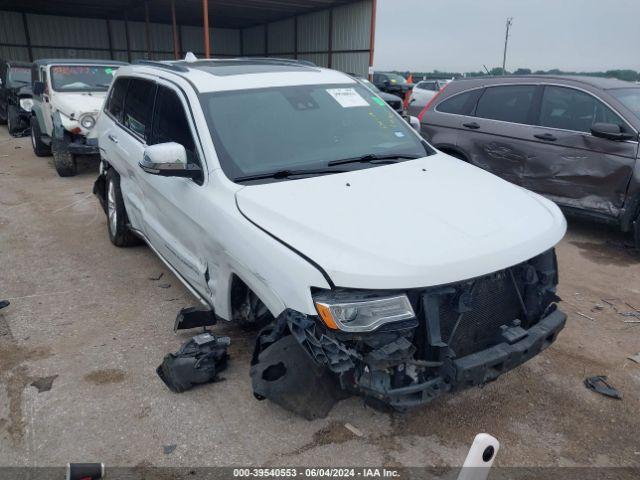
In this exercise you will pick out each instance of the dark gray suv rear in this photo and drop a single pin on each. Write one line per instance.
(572, 139)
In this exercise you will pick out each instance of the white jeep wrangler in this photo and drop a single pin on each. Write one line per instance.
(67, 97)
(293, 198)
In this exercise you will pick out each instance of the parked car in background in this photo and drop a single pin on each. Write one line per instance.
(394, 101)
(67, 97)
(15, 95)
(571, 139)
(392, 83)
(422, 92)
(287, 195)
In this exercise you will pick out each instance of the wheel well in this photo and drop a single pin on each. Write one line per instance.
(246, 306)
(237, 292)
(454, 153)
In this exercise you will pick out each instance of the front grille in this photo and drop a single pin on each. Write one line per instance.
(471, 313)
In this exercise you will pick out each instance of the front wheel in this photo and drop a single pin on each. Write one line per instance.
(40, 148)
(63, 160)
(14, 125)
(117, 221)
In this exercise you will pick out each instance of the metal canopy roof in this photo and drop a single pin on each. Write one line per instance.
(222, 13)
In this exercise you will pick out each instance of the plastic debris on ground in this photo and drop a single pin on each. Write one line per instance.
(599, 384)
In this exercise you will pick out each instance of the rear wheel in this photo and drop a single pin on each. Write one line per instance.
(117, 220)
(39, 148)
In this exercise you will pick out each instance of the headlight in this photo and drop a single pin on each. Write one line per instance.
(365, 315)
(87, 122)
(26, 104)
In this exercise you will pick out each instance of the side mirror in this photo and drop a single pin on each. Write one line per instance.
(415, 123)
(38, 88)
(610, 131)
(169, 160)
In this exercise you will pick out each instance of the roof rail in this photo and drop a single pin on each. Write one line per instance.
(281, 60)
(166, 66)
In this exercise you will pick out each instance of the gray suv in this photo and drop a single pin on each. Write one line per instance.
(571, 139)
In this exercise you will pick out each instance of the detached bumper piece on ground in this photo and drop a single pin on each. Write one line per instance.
(464, 334)
(200, 360)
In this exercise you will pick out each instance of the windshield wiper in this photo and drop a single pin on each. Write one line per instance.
(285, 174)
(373, 158)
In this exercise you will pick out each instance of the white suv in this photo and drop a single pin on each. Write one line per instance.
(290, 196)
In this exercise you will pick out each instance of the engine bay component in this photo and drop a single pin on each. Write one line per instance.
(199, 360)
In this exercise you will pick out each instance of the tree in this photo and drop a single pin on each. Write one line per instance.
(522, 71)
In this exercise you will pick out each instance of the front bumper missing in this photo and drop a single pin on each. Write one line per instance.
(372, 374)
(475, 369)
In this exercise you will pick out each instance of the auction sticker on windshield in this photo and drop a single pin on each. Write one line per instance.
(347, 97)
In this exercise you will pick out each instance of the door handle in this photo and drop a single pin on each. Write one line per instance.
(112, 138)
(546, 136)
(471, 125)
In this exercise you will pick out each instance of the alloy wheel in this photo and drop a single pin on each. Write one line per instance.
(111, 207)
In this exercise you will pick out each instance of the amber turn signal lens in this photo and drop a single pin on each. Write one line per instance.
(325, 315)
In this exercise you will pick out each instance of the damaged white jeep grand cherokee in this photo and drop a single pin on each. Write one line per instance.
(290, 197)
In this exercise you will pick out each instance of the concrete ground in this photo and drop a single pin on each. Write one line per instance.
(89, 323)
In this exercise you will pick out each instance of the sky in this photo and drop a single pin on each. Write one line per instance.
(461, 35)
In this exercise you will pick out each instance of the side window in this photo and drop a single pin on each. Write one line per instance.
(461, 104)
(115, 105)
(170, 122)
(571, 109)
(138, 106)
(508, 103)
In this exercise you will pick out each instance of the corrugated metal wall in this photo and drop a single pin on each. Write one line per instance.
(337, 38)
(55, 36)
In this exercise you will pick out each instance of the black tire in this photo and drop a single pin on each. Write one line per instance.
(39, 148)
(63, 160)
(117, 220)
(3, 120)
(14, 123)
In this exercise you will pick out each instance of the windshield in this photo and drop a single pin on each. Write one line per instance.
(82, 78)
(303, 127)
(395, 78)
(20, 75)
(630, 98)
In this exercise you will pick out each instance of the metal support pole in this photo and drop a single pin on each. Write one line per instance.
(126, 36)
(295, 37)
(372, 38)
(146, 29)
(110, 39)
(266, 39)
(205, 15)
(330, 53)
(26, 35)
(174, 26)
(506, 41)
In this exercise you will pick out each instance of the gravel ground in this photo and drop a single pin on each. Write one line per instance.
(88, 325)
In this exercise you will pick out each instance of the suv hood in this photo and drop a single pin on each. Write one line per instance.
(79, 103)
(418, 223)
